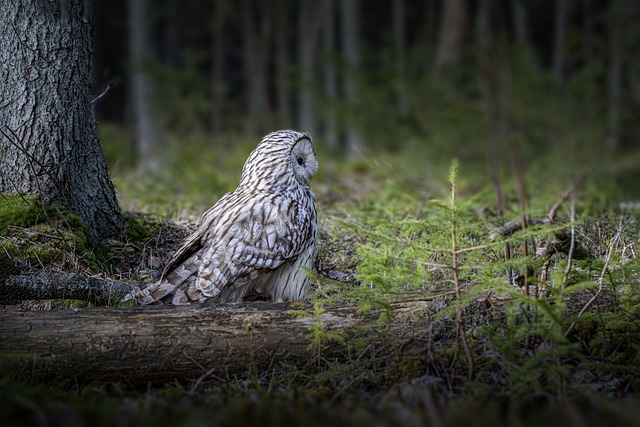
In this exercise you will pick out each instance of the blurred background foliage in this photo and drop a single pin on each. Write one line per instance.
(545, 90)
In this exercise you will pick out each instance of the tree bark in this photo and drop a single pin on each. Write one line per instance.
(454, 23)
(561, 15)
(49, 144)
(520, 18)
(101, 292)
(400, 53)
(218, 66)
(255, 28)
(162, 343)
(307, 46)
(350, 26)
(147, 138)
(283, 75)
(619, 10)
(329, 74)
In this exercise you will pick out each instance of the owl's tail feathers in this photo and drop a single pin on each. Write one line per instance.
(140, 296)
(160, 292)
(135, 290)
(154, 293)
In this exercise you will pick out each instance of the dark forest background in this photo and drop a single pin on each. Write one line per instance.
(469, 79)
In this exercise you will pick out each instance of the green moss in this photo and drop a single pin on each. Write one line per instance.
(20, 211)
(42, 254)
(139, 230)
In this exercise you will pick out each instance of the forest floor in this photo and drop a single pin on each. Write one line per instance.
(549, 313)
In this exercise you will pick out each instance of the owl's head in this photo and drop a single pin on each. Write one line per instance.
(284, 159)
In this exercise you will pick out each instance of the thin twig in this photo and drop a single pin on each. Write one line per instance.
(33, 232)
(567, 270)
(104, 92)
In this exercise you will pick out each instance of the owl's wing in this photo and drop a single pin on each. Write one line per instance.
(199, 238)
(184, 265)
(263, 232)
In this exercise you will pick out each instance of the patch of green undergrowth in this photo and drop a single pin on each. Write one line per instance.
(407, 252)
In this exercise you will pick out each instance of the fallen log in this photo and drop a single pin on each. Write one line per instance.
(161, 343)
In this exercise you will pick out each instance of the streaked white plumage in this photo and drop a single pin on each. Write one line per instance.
(261, 238)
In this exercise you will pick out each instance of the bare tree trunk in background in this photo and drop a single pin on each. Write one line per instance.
(255, 31)
(520, 24)
(560, 28)
(146, 136)
(171, 34)
(454, 24)
(489, 78)
(218, 66)
(350, 26)
(307, 44)
(400, 54)
(330, 76)
(49, 144)
(616, 34)
(588, 30)
(283, 75)
(430, 28)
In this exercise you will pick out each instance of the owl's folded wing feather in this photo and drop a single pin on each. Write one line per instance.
(267, 231)
(241, 237)
(184, 264)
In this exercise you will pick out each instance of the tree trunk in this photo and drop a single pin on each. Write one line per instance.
(350, 26)
(282, 19)
(145, 128)
(616, 37)
(307, 18)
(162, 343)
(520, 24)
(254, 33)
(488, 62)
(171, 33)
(49, 144)
(400, 53)
(560, 28)
(218, 42)
(329, 73)
(454, 23)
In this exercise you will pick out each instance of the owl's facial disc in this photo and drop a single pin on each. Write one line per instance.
(303, 160)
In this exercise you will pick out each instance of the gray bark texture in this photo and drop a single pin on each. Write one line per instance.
(350, 29)
(309, 23)
(330, 75)
(147, 139)
(162, 343)
(454, 23)
(560, 27)
(255, 30)
(48, 141)
(16, 288)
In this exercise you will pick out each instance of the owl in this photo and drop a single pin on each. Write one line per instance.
(258, 239)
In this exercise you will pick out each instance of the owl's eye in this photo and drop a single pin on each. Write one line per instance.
(300, 161)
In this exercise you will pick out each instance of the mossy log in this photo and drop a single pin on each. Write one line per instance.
(162, 343)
